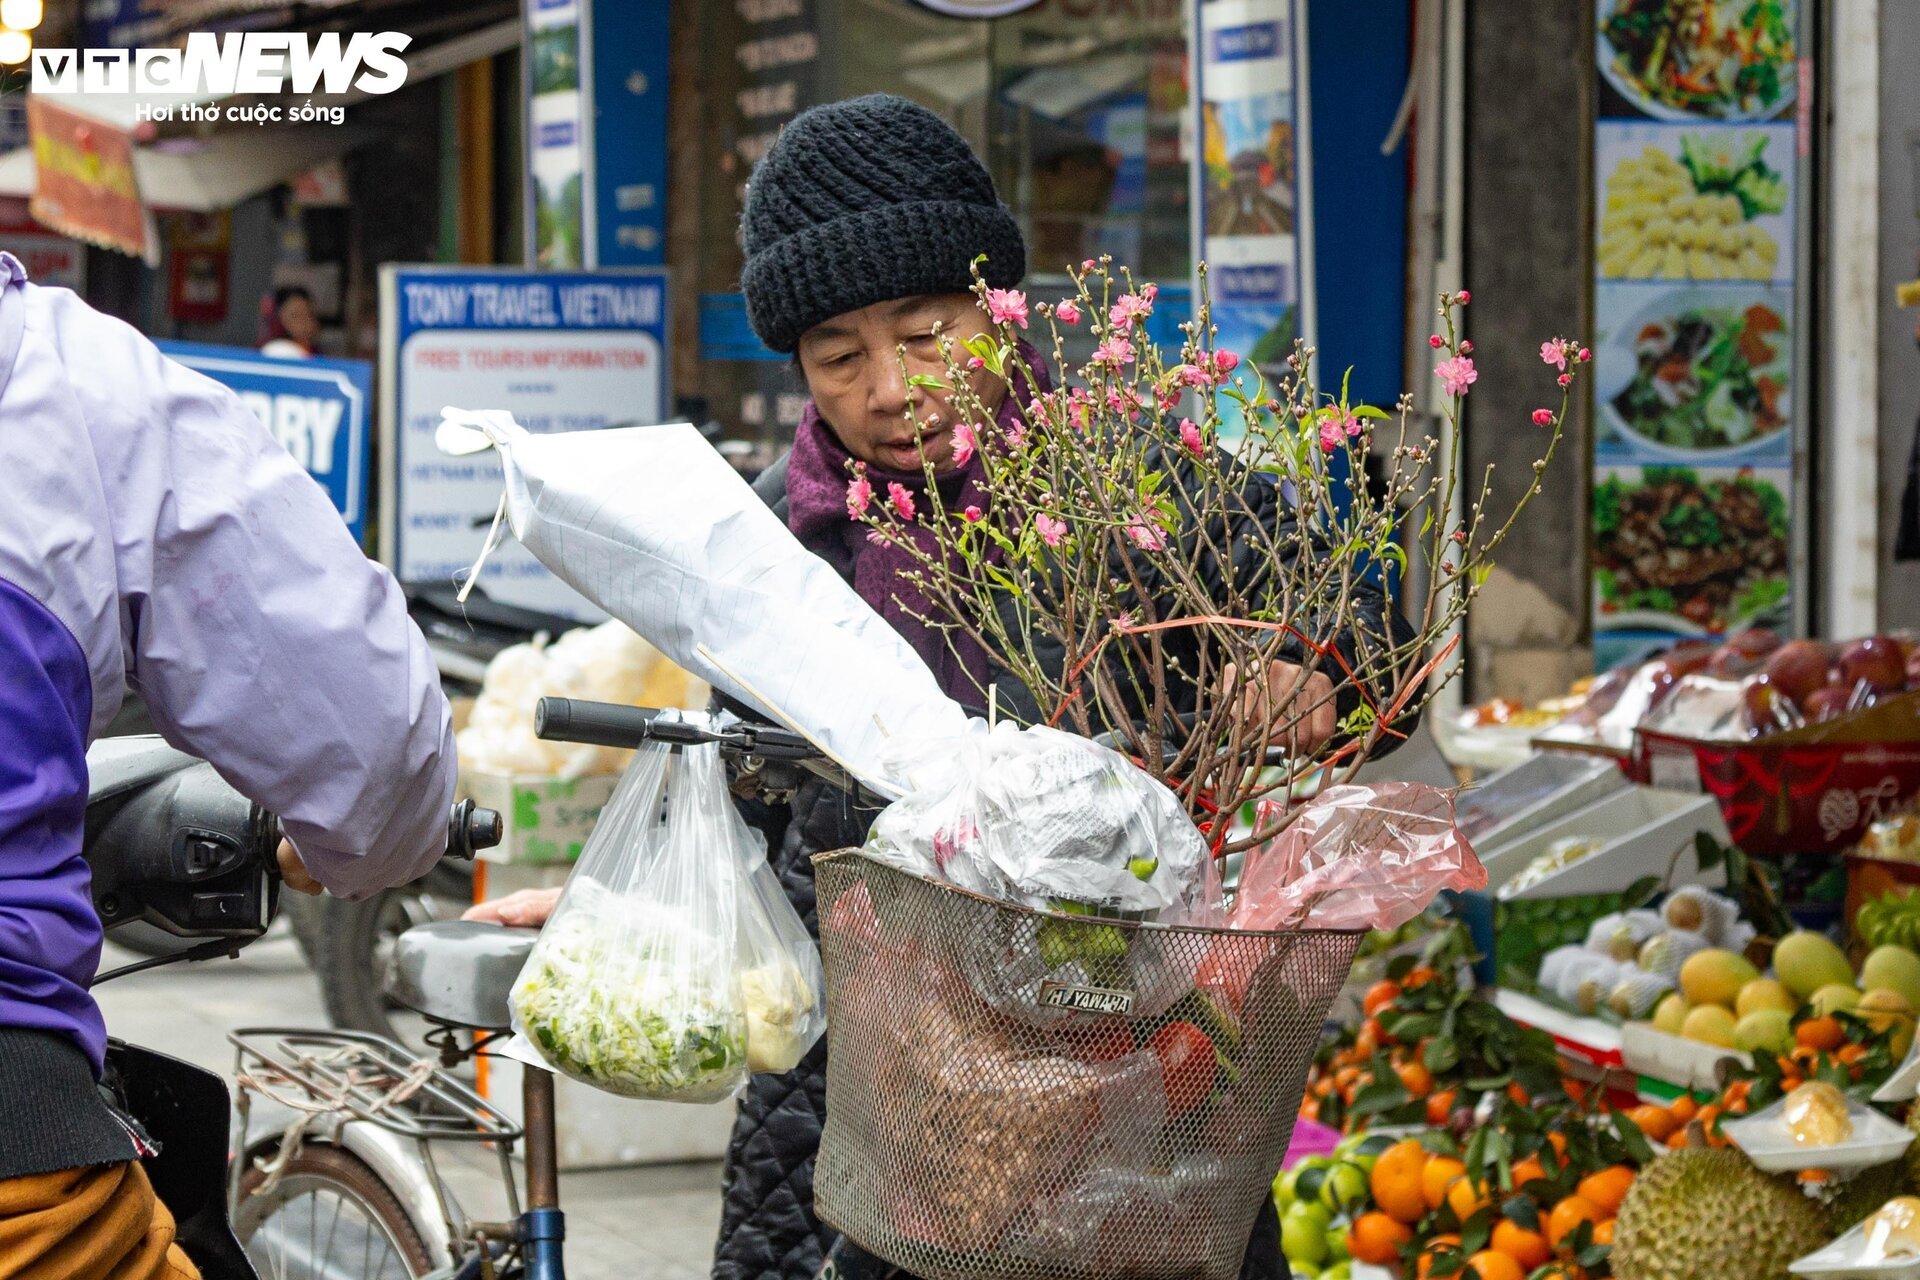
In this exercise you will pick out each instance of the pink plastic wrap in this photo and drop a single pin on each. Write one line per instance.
(1360, 857)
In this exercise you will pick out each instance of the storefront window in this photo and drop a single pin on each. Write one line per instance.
(1077, 106)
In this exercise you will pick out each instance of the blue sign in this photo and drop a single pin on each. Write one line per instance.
(627, 163)
(1255, 40)
(317, 408)
(560, 350)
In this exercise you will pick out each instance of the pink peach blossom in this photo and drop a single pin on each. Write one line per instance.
(859, 494)
(1007, 306)
(1051, 531)
(1190, 437)
(1068, 313)
(1543, 417)
(900, 500)
(1456, 375)
(1148, 537)
(1114, 352)
(965, 441)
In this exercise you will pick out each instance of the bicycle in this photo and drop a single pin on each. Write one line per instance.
(352, 1175)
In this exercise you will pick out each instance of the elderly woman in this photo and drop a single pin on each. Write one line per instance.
(861, 226)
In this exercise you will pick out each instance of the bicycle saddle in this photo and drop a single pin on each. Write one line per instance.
(458, 972)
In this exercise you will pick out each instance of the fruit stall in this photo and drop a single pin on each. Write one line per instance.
(1673, 1038)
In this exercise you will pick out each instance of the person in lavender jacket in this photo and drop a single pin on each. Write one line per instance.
(154, 538)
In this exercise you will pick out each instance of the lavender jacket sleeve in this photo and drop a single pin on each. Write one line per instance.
(239, 607)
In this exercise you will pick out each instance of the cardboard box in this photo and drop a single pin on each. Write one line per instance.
(546, 820)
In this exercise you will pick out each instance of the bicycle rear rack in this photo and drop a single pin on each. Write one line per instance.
(365, 1077)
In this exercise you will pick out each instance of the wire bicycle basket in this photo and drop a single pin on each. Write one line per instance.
(1020, 1095)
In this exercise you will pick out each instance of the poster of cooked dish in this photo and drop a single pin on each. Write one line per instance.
(1694, 203)
(1698, 59)
(1693, 373)
(1693, 549)
(1698, 393)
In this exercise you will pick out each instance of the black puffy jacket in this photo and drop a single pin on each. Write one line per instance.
(768, 1227)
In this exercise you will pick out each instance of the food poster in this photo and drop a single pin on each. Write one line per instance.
(1252, 226)
(1697, 390)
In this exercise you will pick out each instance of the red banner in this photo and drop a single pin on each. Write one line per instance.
(84, 184)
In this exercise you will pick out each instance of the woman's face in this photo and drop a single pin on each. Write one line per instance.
(853, 370)
(296, 317)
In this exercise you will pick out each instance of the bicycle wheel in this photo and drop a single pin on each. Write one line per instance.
(329, 1218)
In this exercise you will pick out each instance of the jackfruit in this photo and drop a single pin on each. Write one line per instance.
(1701, 1214)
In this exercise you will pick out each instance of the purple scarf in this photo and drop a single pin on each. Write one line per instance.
(817, 476)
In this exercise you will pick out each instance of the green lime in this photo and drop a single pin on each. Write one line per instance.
(1344, 1187)
(1303, 1233)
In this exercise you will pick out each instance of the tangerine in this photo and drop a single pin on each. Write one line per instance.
(1437, 1177)
(1528, 1170)
(1603, 1232)
(1683, 1108)
(1440, 1105)
(1568, 1214)
(1489, 1264)
(1396, 1181)
(1656, 1122)
(1379, 996)
(1377, 1238)
(1519, 1094)
(1528, 1248)
(1415, 1078)
(1435, 1246)
(1419, 977)
(1607, 1188)
(1464, 1198)
(1823, 1034)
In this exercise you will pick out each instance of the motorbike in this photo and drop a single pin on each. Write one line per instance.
(174, 849)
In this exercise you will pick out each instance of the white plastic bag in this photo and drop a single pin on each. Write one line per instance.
(1047, 819)
(668, 970)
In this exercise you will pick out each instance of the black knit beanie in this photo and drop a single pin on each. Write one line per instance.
(865, 201)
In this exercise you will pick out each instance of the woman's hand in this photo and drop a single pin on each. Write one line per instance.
(1297, 707)
(293, 872)
(521, 909)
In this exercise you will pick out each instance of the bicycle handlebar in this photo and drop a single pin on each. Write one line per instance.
(606, 724)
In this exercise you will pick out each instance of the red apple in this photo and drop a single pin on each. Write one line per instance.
(1798, 667)
(1878, 660)
(1826, 704)
(1754, 642)
(1766, 709)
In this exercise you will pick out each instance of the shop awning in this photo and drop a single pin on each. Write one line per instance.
(201, 175)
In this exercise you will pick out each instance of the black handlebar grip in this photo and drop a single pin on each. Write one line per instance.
(600, 724)
(471, 828)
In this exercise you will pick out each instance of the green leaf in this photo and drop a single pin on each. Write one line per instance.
(1522, 1212)
(1368, 411)
(927, 382)
(1708, 852)
(1641, 892)
(1441, 1054)
(1634, 1140)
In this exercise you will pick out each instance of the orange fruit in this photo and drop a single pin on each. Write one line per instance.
(1396, 1181)
(1562, 1271)
(1814, 1175)
(1528, 1248)
(1379, 1032)
(1656, 1122)
(1489, 1264)
(1518, 1094)
(1364, 1044)
(1737, 1092)
(1607, 1188)
(1568, 1214)
(1379, 996)
(1528, 1170)
(1438, 1176)
(1558, 1141)
(1376, 1238)
(1464, 1198)
(1603, 1232)
(1848, 1054)
(1677, 1139)
(1440, 1105)
(1574, 1089)
(1683, 1108)
(1709, 1118)
(1433, 1247)
(1824, 1033)
(1416, 1079)
(1419, 977)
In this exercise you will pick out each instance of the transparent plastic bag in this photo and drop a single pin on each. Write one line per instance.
(1046, 819)
(668, 969)
(1360, 857)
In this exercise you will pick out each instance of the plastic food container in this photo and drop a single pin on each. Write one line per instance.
(1841, 1260)
(1763, 1136)
(1641, 830)
(1904, 1084)
(1531, 794)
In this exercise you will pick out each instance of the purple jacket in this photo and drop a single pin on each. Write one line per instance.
(155, 537)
